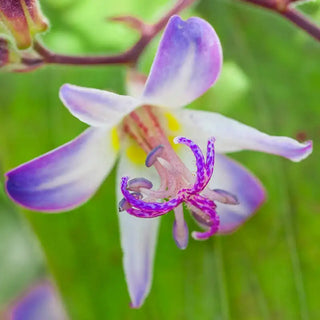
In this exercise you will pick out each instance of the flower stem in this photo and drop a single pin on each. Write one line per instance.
(130, 56)
(285, 10)
(302, 22)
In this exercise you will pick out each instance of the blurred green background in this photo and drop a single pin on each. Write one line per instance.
(269, 269)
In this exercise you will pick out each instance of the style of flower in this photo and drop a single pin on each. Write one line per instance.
(139, 129)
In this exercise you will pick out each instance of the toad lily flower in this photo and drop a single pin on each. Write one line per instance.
(139, 128)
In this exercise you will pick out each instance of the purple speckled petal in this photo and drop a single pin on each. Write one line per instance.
(97, 107)
(232, 177)
(65, 177)
(39, 303)
(232, 135)
(187, 63)
(138, 238)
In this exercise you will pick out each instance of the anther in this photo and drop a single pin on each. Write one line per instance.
(202, 218)
(137, 183)
(123, 205)
(226, 197)
(153, 155)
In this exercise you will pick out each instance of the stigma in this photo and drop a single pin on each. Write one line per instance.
(179, 187)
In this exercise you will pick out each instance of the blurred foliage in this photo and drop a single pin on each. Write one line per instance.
(266, 270)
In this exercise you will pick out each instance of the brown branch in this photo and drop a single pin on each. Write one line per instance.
(130, 56)
(302, 22)
(284, 9)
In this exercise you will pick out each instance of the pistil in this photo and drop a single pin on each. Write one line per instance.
(177, 184)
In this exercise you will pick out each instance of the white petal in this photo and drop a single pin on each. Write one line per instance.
(231, 176)
(187, 63)
(138, 239)
(97, 107)
(66, 177)
(232, 135)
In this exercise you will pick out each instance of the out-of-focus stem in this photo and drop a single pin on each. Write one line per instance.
(130, 56)
(302, 22)
(291, 14)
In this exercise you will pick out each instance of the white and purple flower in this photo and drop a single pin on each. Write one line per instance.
(40, 302)
(139, 129)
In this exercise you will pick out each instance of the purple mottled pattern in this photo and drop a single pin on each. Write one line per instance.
(233, 177)
(147, 208)
(200, 162)
(209, 208)
(210, 156)
(187, 63)
(40, 303)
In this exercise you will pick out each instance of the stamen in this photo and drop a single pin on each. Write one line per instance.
(137, 183)
(226, 197)
(202, 218)
(180, 229)
(150, 207)
(153, 155)
(177, 185)
(124, 205)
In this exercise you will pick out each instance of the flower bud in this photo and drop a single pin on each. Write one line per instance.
(4, 52)
(24, 19)
(14, 60)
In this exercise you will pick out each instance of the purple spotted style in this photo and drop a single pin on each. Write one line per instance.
(152, 204)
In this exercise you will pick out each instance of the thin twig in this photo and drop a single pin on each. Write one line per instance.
(293, 15)
(130, 56)
(302, 22)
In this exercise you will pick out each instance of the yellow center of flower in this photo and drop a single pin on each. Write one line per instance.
(115, 141)
(135, 153)
(172, 123)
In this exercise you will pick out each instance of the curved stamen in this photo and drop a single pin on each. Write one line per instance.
(222, 196)
(200, 162)
(124, 205)
(137, 183)
(161, 208)
(153, 155)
